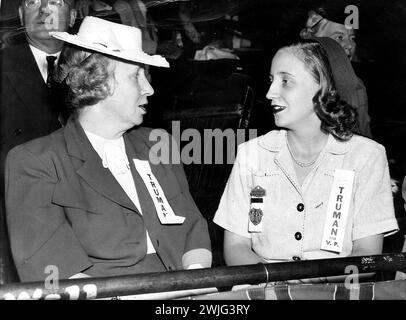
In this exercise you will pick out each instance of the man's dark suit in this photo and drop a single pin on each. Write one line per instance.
(26, 112)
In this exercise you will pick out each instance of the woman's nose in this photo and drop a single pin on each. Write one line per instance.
(347, 44)
(146, 88)
(271, 94)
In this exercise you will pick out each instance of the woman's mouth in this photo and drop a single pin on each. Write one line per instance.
(276, 109)
(143, 108)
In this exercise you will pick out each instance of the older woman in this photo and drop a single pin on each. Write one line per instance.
(87, 198)
(313, 189)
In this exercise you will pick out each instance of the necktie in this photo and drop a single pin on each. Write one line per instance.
(53, 92)
(50, 69)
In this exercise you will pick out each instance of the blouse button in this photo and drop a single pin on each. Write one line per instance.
(300, 207)
(298, 236)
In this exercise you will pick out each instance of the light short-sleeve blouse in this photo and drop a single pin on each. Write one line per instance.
(294, 216)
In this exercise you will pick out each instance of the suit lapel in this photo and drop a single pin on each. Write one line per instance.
(91, 170)
(147, 206)
(26, 79)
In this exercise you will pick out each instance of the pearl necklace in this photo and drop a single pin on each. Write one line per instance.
(299, 163)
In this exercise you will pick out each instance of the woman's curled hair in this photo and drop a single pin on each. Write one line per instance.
(337, 117)
(86, 75)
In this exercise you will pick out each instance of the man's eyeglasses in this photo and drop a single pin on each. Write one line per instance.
(35, 4)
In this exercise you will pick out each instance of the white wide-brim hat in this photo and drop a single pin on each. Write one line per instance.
(113, 39)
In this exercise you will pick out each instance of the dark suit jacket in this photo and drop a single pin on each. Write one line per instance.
(26, 110)
(65, 209)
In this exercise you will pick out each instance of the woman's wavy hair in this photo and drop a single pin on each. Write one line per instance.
(86, 77)
(337, 116)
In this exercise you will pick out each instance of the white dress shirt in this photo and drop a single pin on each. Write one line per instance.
(41, 59)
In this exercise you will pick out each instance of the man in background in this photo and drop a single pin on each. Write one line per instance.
(28, 107)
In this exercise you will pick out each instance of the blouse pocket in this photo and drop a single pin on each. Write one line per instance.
(270, 182)
(322, 195)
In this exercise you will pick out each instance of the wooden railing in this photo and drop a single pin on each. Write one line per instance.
(104, 287)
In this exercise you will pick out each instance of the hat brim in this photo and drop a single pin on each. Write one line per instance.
(129, 55)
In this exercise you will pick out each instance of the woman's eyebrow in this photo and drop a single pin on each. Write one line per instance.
(285, 73)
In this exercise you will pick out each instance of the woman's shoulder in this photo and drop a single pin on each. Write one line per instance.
(363, 152)
(361, 144)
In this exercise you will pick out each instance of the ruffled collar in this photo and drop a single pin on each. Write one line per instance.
(111, 151)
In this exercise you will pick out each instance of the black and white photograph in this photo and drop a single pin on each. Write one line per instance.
(203, 157)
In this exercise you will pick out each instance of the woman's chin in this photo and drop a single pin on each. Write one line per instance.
(279, 122)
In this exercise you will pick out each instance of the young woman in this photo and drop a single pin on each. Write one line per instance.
(313, 189)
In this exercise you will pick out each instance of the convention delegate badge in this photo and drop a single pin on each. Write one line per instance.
(256, 209)
(337, 211)
(163, 209)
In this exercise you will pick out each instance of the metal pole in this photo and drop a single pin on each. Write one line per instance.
(103, 287)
